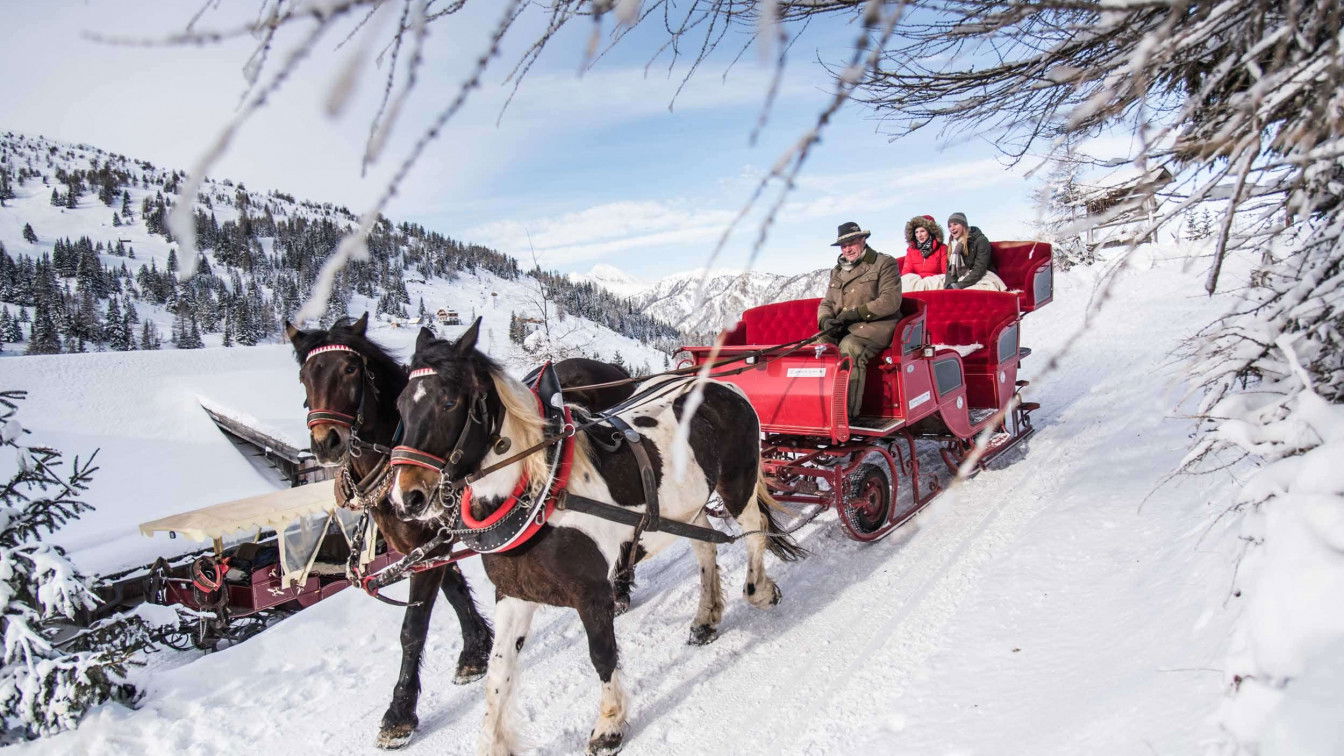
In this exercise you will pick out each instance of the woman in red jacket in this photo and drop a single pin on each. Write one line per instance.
(925, 263)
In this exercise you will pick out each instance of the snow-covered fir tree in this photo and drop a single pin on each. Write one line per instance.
(53, 673)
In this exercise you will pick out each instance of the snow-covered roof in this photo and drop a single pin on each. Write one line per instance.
(268, 511)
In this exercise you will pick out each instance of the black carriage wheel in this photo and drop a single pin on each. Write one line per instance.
(868, 499)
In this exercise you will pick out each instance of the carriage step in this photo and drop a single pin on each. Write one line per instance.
(1029, 406)
(1023, 384)
(1023, 352)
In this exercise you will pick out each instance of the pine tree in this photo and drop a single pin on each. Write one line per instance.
(116, 221)
(44, 339)
(46, 687)
(126, 205)
(56, 199)
(6, 188)
(149, 336)
(116, 334)
(29, 235)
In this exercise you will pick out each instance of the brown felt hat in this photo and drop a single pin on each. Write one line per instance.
(849, 231)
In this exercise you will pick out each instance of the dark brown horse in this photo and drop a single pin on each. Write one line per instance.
(352, 386)
(459, 401)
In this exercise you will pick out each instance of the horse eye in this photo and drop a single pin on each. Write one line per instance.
(350, 369)
(449, 404)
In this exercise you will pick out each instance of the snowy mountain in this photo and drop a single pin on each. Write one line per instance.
(701, 302)
(87, 264)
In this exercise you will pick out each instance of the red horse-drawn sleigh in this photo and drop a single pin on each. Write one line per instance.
(950, 376)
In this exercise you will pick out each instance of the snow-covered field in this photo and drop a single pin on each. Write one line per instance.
(1071, 600)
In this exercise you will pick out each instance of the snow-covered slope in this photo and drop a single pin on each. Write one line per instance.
(1070, 600)
(161, 454)
(260, 253)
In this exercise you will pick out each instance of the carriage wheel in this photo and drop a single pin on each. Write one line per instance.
(867, 500)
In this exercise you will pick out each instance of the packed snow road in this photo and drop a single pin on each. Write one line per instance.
(1066, 601)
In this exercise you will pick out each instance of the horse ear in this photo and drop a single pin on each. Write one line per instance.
(468, 340)
(424, 338)
(361, 325)
(291, 332)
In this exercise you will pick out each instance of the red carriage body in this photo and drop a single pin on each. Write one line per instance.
(949, 376)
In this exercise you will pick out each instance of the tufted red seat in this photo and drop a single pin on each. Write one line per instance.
(969, 316)
(781, 322)
(1019, 264)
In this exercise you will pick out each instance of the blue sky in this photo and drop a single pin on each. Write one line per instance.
(580, 170)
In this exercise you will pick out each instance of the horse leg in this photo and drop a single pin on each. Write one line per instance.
(513, 617)
(399, 721)
(476, 633)
(705, 627)
(598, 615)
(624, 579)
(760, 589)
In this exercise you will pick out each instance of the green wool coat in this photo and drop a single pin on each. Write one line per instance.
(873, 289)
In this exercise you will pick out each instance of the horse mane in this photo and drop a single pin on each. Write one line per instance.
(523, 422)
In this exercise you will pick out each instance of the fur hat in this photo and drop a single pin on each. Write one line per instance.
(849, 231)
(926, 222)
(957, 218)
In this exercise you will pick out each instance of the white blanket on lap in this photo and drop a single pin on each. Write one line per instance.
(964, 350)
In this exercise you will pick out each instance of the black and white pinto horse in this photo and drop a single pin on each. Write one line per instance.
(351, 387)
(458, 397)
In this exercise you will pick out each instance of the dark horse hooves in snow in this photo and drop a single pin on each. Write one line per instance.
(352, 386)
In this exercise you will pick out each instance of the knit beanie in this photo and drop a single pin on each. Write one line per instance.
(957, 218)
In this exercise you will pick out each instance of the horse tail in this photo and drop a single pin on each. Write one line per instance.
(777, 541)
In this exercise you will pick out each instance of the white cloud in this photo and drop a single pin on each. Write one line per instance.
(604, 229)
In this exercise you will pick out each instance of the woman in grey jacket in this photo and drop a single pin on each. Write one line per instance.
(970, 264)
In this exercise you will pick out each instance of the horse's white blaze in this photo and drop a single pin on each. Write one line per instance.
(420, 392)
(513, 618)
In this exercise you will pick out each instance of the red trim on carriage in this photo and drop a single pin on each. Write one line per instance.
(421, 373)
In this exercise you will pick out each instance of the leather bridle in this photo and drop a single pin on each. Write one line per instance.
(352, 423)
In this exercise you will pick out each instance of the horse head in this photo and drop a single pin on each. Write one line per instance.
(450, 411)
(346, 378)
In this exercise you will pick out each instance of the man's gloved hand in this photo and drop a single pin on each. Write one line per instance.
(850, 315)
(830, 324)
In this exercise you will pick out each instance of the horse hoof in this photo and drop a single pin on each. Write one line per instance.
(621, 604)
(761, 600)
(607, 744)
(702, 635)
(392, 737)
(468, 673)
